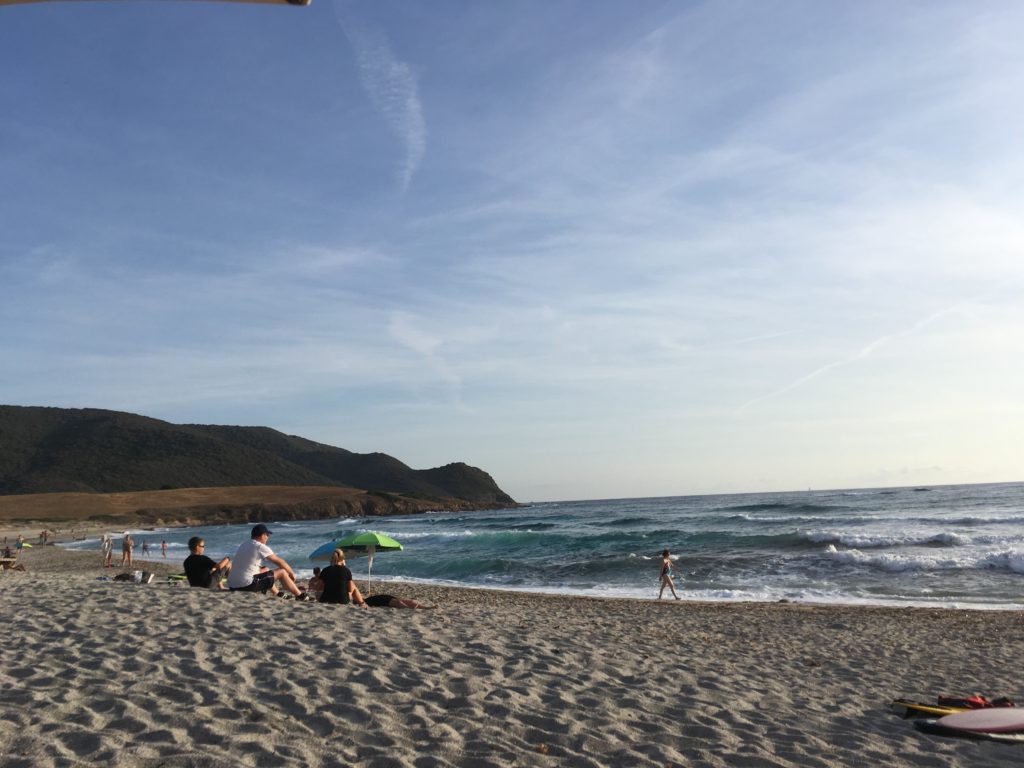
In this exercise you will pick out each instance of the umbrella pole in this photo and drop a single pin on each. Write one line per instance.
(369, 565)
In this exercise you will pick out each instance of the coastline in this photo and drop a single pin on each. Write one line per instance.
(186, 507)
(124, 674)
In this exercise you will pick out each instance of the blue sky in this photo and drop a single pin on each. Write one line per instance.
(599, 249)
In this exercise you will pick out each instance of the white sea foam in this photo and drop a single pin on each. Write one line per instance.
(898, 539)
(897, 563)
(1008, 560)
(412, 536)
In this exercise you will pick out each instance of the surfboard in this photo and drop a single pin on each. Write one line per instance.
(992, 720)
(908, 709)
(933, 727)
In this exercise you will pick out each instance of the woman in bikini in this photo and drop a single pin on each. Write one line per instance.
(666, 575)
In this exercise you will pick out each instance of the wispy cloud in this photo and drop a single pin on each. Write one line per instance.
(391, 85)
(408, 331)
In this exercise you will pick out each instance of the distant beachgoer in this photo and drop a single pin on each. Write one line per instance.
(202, 570)
(127, 545)
(246, 575)
(665, 578)
(339, 587)
(10, 563)
(107, 547)
(145, 547)
(163, 548)
(19, 543)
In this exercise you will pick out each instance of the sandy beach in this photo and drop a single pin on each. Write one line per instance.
(121, 674)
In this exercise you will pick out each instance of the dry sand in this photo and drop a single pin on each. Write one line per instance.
(113, 674)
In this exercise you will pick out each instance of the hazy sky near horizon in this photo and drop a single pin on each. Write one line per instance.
(599, 249)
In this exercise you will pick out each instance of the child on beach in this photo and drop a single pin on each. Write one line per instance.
(665, 578)
(315, 585)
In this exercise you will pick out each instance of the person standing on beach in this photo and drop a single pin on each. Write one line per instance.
(201, 569)
(163, 549)
(665, 578)
(246, 573)
(145, 548)
(107, 547)
(127, 545)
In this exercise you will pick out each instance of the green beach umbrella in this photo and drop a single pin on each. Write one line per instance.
(367, 543)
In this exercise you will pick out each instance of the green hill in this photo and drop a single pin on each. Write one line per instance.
(59, 450)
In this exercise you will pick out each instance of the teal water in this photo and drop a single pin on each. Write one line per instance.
(946, 546)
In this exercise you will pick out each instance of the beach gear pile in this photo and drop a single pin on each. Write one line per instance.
(966, 717)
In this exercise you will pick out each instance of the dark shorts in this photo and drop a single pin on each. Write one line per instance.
(261, 582)
(379, 601)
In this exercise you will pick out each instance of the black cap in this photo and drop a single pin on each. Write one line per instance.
(259, 530)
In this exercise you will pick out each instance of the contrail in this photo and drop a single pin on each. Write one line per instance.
(864, 352)
(391, 86)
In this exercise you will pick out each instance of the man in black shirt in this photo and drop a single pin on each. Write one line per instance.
(200, 569)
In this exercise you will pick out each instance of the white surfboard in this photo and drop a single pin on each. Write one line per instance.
(992, 720)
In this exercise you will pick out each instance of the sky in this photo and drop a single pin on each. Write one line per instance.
(597, 249)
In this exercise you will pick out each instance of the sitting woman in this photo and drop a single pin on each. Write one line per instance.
(338, 585)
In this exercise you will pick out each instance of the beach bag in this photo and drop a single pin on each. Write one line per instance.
(974, 702)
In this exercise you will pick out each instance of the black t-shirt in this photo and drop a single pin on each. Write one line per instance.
(336, 579)
(199, 569)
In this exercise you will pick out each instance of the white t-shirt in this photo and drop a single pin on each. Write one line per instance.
(246, 563)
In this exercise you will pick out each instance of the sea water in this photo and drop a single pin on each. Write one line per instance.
(953, 546)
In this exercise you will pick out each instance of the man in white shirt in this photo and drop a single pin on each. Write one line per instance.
(247, 574)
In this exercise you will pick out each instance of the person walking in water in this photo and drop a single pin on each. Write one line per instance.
(666, 575)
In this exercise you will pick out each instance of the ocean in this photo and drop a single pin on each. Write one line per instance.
(951, 546)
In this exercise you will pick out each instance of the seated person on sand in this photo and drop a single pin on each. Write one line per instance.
(339, 587)
(9, 560)
(246, 575)
(203, 571)
(315, 586)
(390, 601)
